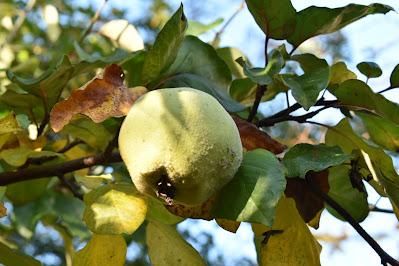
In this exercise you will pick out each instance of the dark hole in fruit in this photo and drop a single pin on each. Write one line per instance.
(165, 189)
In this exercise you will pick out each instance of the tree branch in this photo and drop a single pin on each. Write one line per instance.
(259, 94)
(374, 208)
(36, 172)
(71, 186)
(92, 21)
(387, 89)
(385, 257)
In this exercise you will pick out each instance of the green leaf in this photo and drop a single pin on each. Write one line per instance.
(133, 68)
(9, 124)
(197, 28)
(203, 84)
(102, 250)
(369, 69)
(306, 88)
(12, 257)
(350, 198)
(167, 247)
(394, 79)
(303, 158)
(158, 213)
(264, 76)
(380, 164)
(254, 192)
(114, 209)
(339, 73)
(199, 58)
(117, 55)
(358, 95)
(166, 46)
(314, 20)
(18, 156)
(229, 56)
(276, 18)
(381, 130)
(27, 191)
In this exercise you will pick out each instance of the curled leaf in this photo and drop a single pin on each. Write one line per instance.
(253, 138)
(99, 99)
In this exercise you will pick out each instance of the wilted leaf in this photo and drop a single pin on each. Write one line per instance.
(307, 87)
(394, 78)
(228, 225)
(11, 257)
(370, 69)
(307, 203)
(100, 99)
(199, 58)
(197, 28)
(253, 193)
(339, 73)
(349, 197)
(102, 250)
(167, 247)
(291, 243)
(203, 211)
(253, 138)
(314, 20)
(306, 157)
(114, 209)
(276, 18)
(123, 33)
(166, 46)
(205, 85)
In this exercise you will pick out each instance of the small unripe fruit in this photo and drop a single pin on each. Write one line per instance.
(180, 145)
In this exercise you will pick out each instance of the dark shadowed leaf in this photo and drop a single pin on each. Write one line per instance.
(350, 198)
(314, 20)
(199, 58)
(369, 69)
(307, 87)
(164, 51)
(203, 84)
(394, 79)
(303, 158)
(254, 192)
(133, 68)
(9, 256)
(276, 18)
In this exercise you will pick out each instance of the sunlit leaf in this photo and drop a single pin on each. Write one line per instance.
(167, 247)
(291, 242)
(197, 28)
(164, 51)
(253, 193)
(229, 56)
(94, 181)
(314, 20)
(114, 209)
(276, 18)
(370, 69)
(19, 156)
(11, 257)
(102, 250)
(340, 73)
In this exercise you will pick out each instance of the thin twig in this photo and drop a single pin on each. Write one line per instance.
(387, 89)
(36, 172)
(223, 28)
(266, 50)
(260, 91)
(72, 187)
(70, 145)
(92, 22)
(374, 208)
(287, 99)
(385, 257)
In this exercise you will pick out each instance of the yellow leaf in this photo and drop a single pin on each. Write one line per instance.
(228, 225)
(93, 181)
(167, 247)
(18, 156)
(293, 245)
(114, 209)
(9, 124)
(102, 250)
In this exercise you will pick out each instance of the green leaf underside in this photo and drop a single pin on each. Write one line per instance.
(197, 28)
(314, 20)
(254, 192)
(350, 198)
(303, 158)
(369, 69)
(276, 18)
(164, 51)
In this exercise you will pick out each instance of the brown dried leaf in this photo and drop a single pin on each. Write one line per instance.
(3, 210)
(228, 225)
(307, 203)
(253, 138)
(99, 99)
(203, 211)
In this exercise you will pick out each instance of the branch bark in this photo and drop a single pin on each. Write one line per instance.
(385, 257)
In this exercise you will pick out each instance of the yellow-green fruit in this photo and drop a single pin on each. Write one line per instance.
(180, 145)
